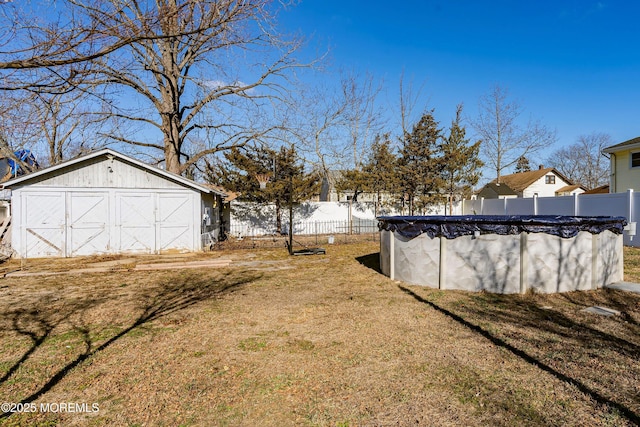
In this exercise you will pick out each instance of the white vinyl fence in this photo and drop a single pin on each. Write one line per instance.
(614, 204)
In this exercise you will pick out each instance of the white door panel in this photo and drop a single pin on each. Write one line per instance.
(176, 211)
(44, 219)
(136, 222)
(88, 232)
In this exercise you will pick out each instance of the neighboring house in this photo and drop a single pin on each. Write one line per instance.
(603, 189)
(109, 203)
(494, 190)
(625, 165)
(329, 193)
(543, 182)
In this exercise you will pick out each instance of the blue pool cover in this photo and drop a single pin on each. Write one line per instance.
(451, 227)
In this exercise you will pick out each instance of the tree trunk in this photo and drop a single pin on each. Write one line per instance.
(278, 217)
(172, 143)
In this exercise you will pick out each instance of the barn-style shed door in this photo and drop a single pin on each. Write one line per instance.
(175, 221)
(44, 217)
(88, 224)
(156, 222)
(72, 222)
(136, 222)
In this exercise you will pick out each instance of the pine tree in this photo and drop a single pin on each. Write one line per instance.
(378, 175)
(420, 166)
(461, 162)
(288, 182)
(522, 165)
(382, 169)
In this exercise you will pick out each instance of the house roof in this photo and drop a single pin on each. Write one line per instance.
(598, 190)
(109, 152)
(501, 189)
(522, 180)
(569, 188)
(632, 143)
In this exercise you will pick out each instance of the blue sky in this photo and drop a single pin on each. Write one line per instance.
(575, 65)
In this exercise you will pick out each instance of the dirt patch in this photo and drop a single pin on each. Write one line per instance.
(318, 340)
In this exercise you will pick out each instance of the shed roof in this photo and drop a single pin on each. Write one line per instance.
(108, 152)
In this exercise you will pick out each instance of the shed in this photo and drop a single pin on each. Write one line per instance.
(109, 203)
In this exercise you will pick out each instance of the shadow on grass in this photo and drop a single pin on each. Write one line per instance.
(623, 346)
(154, 302)
(371, 261)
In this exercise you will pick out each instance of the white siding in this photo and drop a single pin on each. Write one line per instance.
(103, 172)
(544, 190)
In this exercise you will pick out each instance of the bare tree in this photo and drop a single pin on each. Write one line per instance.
(408, 99)
(53, 126)
(461, 163)
(202, 71)
(583, 161)
(332, 125)
(505, 138)
(319, 126)
(363, 117)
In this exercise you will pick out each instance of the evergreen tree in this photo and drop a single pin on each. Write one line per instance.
(378, 175)
(522, 165)
(355, 181)
(419, 165)
(382, 169)
(461, 162)
(288, 182)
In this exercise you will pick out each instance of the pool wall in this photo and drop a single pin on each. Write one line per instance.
(513, 263)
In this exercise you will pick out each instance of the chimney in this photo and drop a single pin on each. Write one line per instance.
(540, 167)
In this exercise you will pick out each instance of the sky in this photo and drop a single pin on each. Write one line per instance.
(574, 65)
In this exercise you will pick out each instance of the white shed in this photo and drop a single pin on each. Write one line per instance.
(109, 203)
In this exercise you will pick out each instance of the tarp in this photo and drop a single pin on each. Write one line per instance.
(451, 227)
(25, 156)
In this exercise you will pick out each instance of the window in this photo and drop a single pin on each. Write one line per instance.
(635, 160)
(551, 179)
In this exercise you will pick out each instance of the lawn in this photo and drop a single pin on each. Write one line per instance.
(320, 340)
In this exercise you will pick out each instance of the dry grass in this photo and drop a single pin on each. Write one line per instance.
(320, 340)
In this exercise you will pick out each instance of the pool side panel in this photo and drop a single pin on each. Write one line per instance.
(485, 263)
(610, 257)
(560, 265)
(417, 260)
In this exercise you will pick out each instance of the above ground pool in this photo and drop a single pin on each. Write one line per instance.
(503, 254)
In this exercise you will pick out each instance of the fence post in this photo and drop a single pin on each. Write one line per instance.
(576, 205)
(505, 206)
(630, 205)
(535, 204)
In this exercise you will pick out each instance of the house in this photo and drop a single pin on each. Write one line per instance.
(603, 189)
(109, 203)
(625, 165)
(329, 192)
(542, 182)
